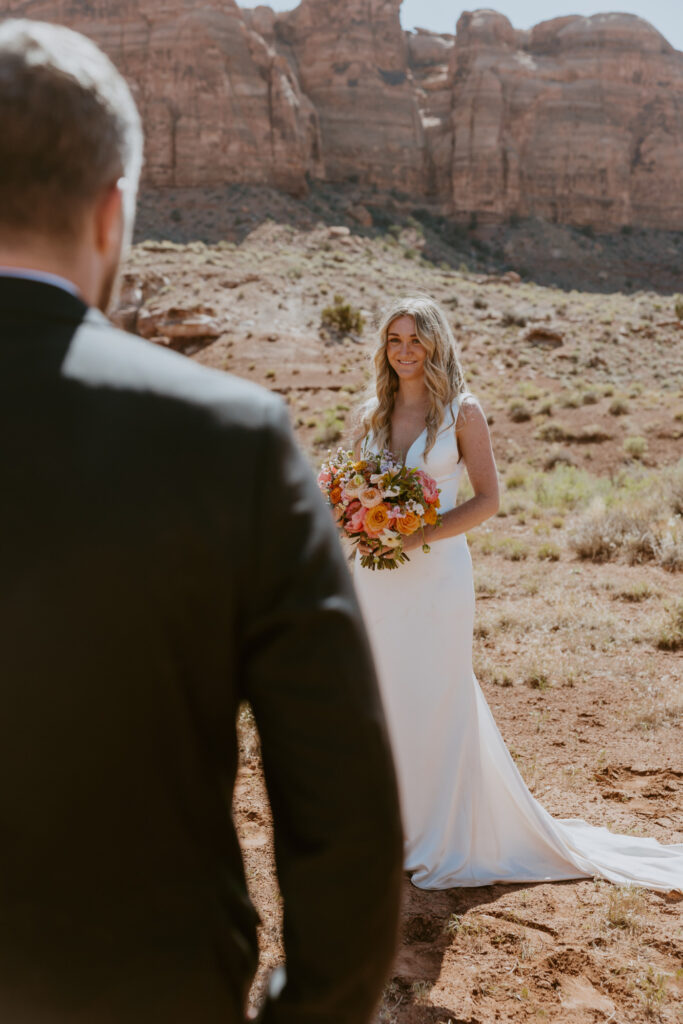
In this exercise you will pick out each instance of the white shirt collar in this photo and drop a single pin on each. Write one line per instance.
(41, 275)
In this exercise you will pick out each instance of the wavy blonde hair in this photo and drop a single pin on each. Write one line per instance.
(442, 370)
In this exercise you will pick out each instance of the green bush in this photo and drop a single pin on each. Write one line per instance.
(635, 447)
(343, 317)
(519, 411)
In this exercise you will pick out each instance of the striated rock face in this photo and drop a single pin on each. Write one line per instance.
(218, 103)
(351, 59)
(579, 120)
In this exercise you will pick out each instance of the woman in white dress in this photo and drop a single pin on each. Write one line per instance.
(468, 816)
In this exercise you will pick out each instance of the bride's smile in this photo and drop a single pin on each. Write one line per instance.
(405, 352)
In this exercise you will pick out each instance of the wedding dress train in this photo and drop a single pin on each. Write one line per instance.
(468, 816)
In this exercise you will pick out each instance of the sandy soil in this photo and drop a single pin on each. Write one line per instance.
(566, 650)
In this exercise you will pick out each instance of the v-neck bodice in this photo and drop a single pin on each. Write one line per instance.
(443, 462)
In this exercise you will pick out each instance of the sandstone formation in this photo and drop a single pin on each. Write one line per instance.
(218, 103)
(579, 120)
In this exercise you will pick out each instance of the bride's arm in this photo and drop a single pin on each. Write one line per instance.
(474, 441)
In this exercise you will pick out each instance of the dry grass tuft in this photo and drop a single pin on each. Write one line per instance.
(625, 907)
(670, 636)
(644, 531)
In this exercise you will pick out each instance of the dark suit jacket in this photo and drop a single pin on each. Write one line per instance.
(164, 555)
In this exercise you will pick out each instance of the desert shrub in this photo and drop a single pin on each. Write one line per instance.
(678, 306)
(537, 677)
(589, 397)
(672, 487)
(548, 552)
(557, 458)
(514, 550)
(553, 431)
(516, 476)
(331, 428)
(635, 447)
(618, 407)
(642, 531)
(635, 594)
(670, 637)
(343, 317)
(510, 319)
(518, 411)
(625, 905)
(592, 433)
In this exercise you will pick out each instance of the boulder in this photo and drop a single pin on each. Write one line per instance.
(178, 327)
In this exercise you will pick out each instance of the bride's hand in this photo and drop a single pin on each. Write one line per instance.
(365, 549)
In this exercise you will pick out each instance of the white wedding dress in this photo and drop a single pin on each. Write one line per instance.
(468, 816)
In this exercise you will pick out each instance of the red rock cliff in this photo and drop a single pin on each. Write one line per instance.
(579, 120)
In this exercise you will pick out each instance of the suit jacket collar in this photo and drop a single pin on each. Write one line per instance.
(24, 299)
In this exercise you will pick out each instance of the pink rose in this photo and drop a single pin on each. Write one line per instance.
(370, 497)
(429, 488)
(324, 477)
(355, 523)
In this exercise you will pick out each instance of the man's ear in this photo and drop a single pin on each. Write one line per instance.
(109, 219)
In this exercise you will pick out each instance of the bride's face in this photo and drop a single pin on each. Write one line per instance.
(405, 352)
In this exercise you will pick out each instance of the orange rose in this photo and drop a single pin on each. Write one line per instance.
(430, 516)
(408, 524)
(335, 495)
(377, 519)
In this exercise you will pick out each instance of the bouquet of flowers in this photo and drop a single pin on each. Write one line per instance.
(376, 502)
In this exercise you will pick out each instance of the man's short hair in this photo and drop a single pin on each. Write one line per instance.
(69, 128)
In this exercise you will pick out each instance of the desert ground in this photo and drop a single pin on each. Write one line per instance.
(579, 632)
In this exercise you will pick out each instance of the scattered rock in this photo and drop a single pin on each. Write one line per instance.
(135, 290)
(544, 337)
(237, 282)
(361, 215)
(178, 326)
(339, 231)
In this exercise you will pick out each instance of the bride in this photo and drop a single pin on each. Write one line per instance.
(468, 816)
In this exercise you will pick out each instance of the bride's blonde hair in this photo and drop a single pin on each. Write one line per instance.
(442, 371)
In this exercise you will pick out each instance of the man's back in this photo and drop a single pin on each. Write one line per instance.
(163, 556)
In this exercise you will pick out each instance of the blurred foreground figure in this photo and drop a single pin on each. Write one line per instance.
(163, 555)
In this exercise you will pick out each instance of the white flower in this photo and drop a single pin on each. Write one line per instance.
(390, 539)
(391, 492)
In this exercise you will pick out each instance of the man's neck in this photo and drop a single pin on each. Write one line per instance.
(43, 276)
(40, 262)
